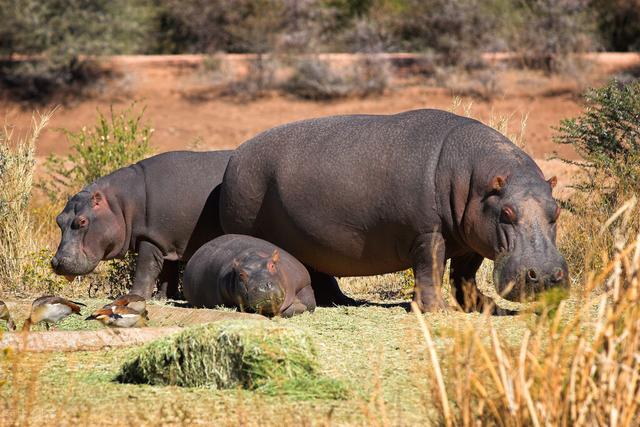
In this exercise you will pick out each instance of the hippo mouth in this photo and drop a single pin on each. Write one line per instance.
(71, 267)
(516, 286)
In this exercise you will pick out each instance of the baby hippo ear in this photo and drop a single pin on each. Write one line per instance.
(275, 258)
(97, 199)
(553, 181)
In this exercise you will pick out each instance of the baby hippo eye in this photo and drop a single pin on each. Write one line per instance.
(81, 222)
(508, 215)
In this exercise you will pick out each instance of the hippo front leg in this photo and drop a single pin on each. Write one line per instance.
(428, 267)
(463, 279)
(148, 267)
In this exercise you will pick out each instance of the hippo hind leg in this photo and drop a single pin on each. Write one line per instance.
(463, 278)
(168, 281)
(326, 290)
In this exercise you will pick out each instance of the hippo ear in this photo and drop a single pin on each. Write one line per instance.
(97, 199)
(275, 256)
(243, 275)
(553, 181)
(497, 183)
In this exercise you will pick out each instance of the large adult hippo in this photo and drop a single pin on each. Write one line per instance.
(164, 208)
(366, 194)
(250, 274)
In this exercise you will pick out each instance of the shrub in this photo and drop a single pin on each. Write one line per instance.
(549, 32)
(255, 355)
(607, 138)
(53, 38)
(619, 24)
(314, 79)
(115, 141)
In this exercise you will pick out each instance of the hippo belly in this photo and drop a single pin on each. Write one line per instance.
(330, 199)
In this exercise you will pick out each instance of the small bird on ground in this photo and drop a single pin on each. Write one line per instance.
(50, 309)
(132, 301)
(119, 316)
(6, 316)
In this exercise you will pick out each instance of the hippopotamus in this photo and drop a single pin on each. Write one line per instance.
(248, 273)
(359, 195)
(163, 208)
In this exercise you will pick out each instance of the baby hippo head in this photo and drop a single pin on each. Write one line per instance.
(258, 282)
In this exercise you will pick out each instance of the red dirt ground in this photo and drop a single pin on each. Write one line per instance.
(176, 91)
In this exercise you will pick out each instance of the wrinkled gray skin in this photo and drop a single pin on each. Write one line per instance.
(248, 273)
(363, 195)
(164, 208)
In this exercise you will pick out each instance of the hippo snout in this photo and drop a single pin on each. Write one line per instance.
(55, 264)
(517, 282)
(537, 278)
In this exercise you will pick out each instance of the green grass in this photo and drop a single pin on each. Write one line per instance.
(377, 351)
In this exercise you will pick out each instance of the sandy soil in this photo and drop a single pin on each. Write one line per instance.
(181, 105)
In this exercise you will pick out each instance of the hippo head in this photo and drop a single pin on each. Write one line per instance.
(91, 232)
(516, 227)
(258, 282)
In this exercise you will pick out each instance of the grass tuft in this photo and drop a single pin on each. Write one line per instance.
(256, 355)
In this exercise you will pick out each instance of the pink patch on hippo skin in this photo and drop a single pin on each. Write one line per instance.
(271, 267)
(553, 181)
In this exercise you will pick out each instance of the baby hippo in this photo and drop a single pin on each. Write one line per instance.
(249, 273)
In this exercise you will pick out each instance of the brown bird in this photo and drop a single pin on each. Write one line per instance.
(133, 301)
(6, 316)
(50, 309)
(119, 316)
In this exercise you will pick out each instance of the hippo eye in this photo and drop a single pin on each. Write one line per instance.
(508, 215)
(81, 222)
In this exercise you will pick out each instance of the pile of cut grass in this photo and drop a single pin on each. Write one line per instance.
(251, 354)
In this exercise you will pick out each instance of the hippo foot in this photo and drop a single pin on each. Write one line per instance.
(431, 305)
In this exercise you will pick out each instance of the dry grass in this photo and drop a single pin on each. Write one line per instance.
(573, 367)
(18, 231)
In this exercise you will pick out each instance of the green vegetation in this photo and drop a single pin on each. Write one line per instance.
(53, 37)
(256, 355)
(606, 138)
(115, 141)
(48, 47)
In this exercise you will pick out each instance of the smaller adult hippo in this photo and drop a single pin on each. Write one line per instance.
(164, 208)
(251, 274)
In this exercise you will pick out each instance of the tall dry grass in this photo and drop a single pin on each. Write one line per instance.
(17, 165)
(575, 366)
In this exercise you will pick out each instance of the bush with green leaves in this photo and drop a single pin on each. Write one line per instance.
(115, 141)
(607, 138)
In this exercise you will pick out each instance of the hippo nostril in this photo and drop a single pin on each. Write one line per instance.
(532, 276)
(558, 275)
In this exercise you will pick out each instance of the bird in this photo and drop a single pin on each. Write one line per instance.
(6, 316)
(133, 301)
(119, 316)
(50, 309)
